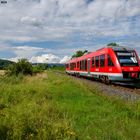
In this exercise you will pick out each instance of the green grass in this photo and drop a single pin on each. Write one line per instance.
(58, 68)
(55, 106)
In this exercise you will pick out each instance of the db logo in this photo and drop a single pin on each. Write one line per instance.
(131, 68)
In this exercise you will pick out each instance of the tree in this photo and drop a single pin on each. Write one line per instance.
(113, 44)
(39, 68)
(4, 64)
(21, 67)
(79, 53)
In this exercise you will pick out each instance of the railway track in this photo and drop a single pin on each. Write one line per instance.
(127, 92)
(131, 88)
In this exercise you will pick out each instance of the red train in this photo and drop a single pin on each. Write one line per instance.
(107, 64)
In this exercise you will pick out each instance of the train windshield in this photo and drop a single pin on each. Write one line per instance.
(127, 58)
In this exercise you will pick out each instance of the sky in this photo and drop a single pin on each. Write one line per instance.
(50, 31)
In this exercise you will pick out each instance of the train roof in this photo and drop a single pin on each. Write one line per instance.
(122, 48)
(115, 48)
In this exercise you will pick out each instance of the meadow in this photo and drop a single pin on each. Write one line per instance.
(51, 106)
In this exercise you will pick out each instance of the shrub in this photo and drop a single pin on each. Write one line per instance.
(113, 44)
(61, 68)
(39, 68)
(21, 67)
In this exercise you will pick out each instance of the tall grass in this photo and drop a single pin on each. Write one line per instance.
(53, 106)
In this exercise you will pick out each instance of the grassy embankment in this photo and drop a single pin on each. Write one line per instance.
(56, 106)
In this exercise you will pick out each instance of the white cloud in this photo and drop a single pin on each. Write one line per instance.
(27, 48)
(45, 58)
(65, 59)
(37, 20)
(14, 59)
(59, 19)
(31, 21)
(26, 51)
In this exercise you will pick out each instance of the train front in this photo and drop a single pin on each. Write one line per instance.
(130, 65)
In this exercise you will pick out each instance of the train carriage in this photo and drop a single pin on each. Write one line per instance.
(107, 64)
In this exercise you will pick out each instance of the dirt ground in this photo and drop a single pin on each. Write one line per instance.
(2, 72)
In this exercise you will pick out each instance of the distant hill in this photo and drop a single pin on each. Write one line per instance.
(5, 63)
(56, 65)
(50, 64)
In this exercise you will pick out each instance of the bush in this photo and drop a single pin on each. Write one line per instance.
(39, 68)
(113, 44)
(61, 68)
(21, 67)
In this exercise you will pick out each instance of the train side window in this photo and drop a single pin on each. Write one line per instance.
(72, 66)
(78, 64)
(93, 62)
(102, 60)
(81, 65)
(110, 63)
(67, 65)
(97, 61)
(85, 64)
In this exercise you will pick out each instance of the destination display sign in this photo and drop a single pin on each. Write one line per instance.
(125, 54)
(3, 2)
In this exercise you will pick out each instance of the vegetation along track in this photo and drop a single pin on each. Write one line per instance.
(130, 93)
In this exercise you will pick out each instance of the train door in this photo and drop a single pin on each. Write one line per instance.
(88, 66)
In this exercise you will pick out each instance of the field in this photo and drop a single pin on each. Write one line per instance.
(51, 106)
